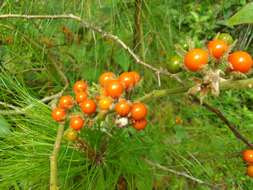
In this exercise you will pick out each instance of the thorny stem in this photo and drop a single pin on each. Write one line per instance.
(222, 117)
(53, 158)
(225, 85)
(97, 30)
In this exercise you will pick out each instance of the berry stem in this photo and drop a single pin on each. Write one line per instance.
(225, 85)
(53, 158)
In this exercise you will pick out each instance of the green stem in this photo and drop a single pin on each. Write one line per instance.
(164, 92)
(225, 85)
(53, 159)
(237, 84)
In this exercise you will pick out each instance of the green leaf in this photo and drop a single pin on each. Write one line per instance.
(122, 59)
(243, 16)
(4, 127)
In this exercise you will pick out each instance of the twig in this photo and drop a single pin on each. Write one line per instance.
(158, 79)
(53, 159)
(221, 116)
(100, 31)
(183, 174)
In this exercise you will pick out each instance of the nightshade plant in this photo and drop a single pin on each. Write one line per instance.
(93, 148)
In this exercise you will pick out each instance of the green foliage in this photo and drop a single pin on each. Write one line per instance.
(243, 16)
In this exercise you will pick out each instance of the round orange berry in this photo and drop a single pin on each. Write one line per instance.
(114, 88)
(136, 77)
(66, 102)
(140, 124)
(250, 171)
(217, 48)
(138, 111)
(81, 96)
(58, 114)
(241, 61)
(248, 156)
(105, 103)
(105, 77)
(122, 108)
(195, 59)
(88, 106)
(127, 80)
(76, 122)
(80, 86)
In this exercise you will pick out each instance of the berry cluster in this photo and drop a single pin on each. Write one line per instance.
(248, 158)
(239, 61)
(110, 96)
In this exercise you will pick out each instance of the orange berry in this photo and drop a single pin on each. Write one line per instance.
(241, 61)
(76, 122)
(248, 155)
(114, 88)
(88, 106)
(80, 86)
(140, 124)
(105, 77)
(136, 76)
(66, 102)
(105, 103)
(138, 111)
(127, 80)
(122, 108)
(250, 171)
(217, 48)
(81, 96)
(58, 114)
(195, 59)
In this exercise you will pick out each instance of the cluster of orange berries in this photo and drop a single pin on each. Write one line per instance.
(248, 158)
(108, 98)
(239, 61)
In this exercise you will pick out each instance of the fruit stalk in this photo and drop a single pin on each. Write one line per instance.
(225, 85)
(53, 158)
